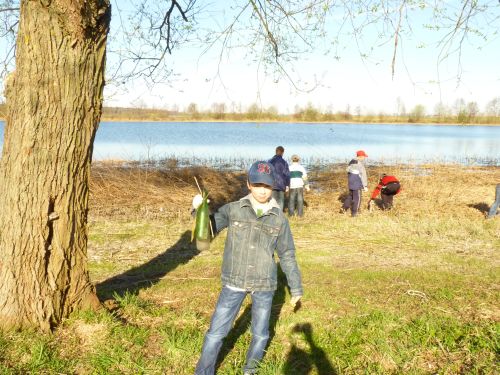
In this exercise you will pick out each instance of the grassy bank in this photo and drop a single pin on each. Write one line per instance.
(307, 115)
(411, 291)
(310, 115)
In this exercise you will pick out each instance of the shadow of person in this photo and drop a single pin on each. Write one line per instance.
(151, 272)
(482, 207)
(244, 321)
(301, 362)
(343, 196)
(278, 302)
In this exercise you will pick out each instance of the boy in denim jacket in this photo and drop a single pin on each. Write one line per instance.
(257, 228)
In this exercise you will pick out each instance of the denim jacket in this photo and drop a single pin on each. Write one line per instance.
(251, 242)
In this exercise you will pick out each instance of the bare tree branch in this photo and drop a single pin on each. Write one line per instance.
(263, 21)
(277, 33)
(396, 36)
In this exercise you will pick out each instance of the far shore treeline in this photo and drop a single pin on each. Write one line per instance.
(461, 113)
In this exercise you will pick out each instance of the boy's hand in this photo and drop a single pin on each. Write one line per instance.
(295, 300)
(308, 188)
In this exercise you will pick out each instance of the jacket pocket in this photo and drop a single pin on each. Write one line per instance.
(270, 234)
(240, 231)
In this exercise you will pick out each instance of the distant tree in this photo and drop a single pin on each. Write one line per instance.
(174, 108)
(472, 110)
(347, 113)
(139, 103)
(441, 111)
(417, 113)
(400, 107)
(381, 116)
(192, 109)
(234, 107)
(493, 107)
(310, 113)
(369, 116)
(219, 110)
(459, 106)
(272, 112)
(460, 110)
(254, 112)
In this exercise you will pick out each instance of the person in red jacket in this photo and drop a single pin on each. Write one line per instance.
(388, 187)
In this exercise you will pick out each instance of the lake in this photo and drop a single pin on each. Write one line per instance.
(218, 143)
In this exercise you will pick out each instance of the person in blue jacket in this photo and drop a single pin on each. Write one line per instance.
(281, 176)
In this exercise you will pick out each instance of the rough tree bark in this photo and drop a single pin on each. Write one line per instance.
(54, 102)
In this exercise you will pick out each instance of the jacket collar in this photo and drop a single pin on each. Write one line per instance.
(247, 202)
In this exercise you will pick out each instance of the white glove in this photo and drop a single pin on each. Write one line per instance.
(308, 188)
(365, 189)
(197, 199)
(295, 300)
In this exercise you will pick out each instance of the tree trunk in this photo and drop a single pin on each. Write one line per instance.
(54, 103)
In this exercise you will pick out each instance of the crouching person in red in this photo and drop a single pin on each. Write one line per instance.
(387, 187)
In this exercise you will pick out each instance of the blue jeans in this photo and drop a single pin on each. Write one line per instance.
(494, 206)
(296, 195)
(227, 308)
(280, 198)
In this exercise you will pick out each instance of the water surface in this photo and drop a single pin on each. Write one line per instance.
(220, 142)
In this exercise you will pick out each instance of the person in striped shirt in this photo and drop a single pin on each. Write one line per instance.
(298, 182)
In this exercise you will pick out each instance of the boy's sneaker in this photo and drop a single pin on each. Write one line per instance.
(342, 210)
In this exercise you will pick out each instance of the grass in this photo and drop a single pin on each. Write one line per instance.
(411, 291)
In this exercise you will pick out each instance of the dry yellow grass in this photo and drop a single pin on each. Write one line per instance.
(429, 191)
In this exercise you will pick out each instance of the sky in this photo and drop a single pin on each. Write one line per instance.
(348, 82)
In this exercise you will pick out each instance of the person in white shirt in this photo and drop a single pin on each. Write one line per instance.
(298, 182)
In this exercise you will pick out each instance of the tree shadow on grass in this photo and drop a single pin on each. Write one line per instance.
(301, 362)
(151, 272)
(482, 207)
(244, 321)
